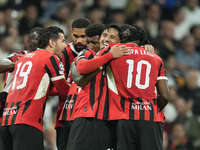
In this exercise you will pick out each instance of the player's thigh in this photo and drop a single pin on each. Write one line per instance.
(126, 135)
(5, 138)
(26, 137)
(149, 135)
(89, 134)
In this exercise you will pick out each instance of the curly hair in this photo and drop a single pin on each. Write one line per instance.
(48, 33)
(94, 29)
(81, 23)
(135, 33)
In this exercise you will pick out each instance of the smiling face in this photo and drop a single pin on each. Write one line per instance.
(93, 43)
(79, 38)
(60, 45)
(109, 36)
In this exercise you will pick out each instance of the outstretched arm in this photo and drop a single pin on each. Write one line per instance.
(6, 66)
(85, 66)
(82, 80)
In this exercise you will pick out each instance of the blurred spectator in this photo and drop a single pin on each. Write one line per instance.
(178, 137)
(165, 42)
(195, 32)
(165, 141)
(117, 4)
(60, 18)
(186, 117)
(6, 46)
(181, 26)
(94, 15)
(188, 57)
(191, 91)
(192, 11)
(2, 23)
(30, 20)
(152, 20)
(170, 110)
(174, 78)
(103, 9)
(118, 17)
(140, 23)
(134, 10)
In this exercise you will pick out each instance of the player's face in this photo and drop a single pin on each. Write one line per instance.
(60, 45)
(33, 41)
(93, 43)
(79, 38)
(109, 36)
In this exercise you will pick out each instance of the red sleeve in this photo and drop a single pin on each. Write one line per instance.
(62, 88)
(53, 92)
(85, 66)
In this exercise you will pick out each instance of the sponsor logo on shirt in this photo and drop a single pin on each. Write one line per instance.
(141, 106)
(10, 111)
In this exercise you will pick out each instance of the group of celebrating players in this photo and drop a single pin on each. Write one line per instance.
(112, 89)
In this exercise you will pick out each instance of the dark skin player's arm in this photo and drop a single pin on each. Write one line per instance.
(163, 94)
(6, 66)
(82, 80)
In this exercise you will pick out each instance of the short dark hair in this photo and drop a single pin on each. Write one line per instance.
(94, 29)
(109, 26)
(81, 23)
(124, 27)
(31, 32)
(135, 33)
(48, 33)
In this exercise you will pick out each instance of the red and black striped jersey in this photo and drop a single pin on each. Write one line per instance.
(92, 100)
(132, 85)
(33, 74)
(68, 106)
(9, 75)
(68, 56)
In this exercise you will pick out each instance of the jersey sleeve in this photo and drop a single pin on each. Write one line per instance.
(57, 76)
(14, 56)
(161, 72)
(85, 66)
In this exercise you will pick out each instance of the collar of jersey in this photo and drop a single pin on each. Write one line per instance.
(72, 48)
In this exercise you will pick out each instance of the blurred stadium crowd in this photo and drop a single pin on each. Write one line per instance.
(173, 27)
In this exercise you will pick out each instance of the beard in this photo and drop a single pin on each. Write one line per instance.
(79, 47)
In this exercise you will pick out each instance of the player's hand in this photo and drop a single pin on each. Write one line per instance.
(19, 57)
(149, 48)
(118, 51)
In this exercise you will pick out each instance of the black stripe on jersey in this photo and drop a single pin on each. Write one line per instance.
(101, 92)
(6, 105)
(55, 65)
(67, 62)
(160, 69)
(23, 52)
(48, 71)
(151, 112)
(64, 114)
(106, 51)
(91, 56)
(27, 104)
(122, 102)
(106, 107)
(7, 116)
(142, 109)
(92, 92)
(15, 115)
(131, 109)
(74, 98)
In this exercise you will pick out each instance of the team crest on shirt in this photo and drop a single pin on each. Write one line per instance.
(141, 106)
(85, 108)
(61, 66)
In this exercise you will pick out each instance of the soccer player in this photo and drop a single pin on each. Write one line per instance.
(132, 80)
(8, 64)
(90, 129)
(34, 74)
(71, 51)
